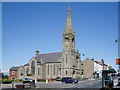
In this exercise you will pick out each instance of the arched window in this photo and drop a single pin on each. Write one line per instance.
(54, 69)
(66, 72)
(48, 69)
(66, 39)
(77, 57)
(38, 70)
(32, 67)
(66, 58)
(73, 40)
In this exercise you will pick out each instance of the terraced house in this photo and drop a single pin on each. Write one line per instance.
(59, 64)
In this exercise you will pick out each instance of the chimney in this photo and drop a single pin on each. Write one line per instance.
(102, 61)
(93, 59)
(37, 53)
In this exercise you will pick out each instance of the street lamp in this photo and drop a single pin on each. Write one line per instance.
(82, 54)
(118, 60)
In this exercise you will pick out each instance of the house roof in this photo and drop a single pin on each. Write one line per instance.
(49, 57)
(14, 68)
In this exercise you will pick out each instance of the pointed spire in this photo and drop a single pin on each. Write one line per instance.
(69, 21)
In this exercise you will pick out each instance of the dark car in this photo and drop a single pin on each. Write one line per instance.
(68, 80)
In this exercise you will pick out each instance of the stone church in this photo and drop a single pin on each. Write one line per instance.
(59, 64)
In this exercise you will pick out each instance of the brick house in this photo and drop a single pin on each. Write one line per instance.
(13, 73)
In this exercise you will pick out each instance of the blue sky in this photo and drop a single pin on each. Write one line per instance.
(39, 26)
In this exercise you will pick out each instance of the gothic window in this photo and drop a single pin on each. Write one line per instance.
(73, 40)
(54, 69)
(51, 70)
(48, 69)
(38, 70)
(66, 38)
(57, 69)
(66, 72)
(60, 69)
(66, 58)
(32, 67)
(77, 57)
(73, 72)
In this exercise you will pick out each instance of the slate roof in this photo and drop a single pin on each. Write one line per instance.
(26, 64)
(14, 68)
(49, 57)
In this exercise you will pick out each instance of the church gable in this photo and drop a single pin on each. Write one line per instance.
(49, 57)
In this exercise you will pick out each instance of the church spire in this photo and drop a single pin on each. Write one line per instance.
(69, 21)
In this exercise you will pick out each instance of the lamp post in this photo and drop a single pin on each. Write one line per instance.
(81, 67)
(118, 60)
(82, 55)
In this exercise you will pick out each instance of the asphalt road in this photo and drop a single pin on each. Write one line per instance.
(81, 84)
(92, 83)
(97, 84)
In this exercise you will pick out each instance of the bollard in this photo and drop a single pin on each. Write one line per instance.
(35, 80)
(46, 80)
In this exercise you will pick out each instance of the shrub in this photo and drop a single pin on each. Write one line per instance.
(21, 74)
(28, 74)
(16, 80)
(6, 81)
(9, 80)
(20, 86)
(41, 80)
(58, 78)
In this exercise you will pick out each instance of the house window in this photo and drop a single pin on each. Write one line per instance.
(13, 72)
(21, 72)
(26, 70)
(32, 67)
(48, 69)
(13, 78)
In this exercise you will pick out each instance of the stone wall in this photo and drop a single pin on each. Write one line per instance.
(88, 67)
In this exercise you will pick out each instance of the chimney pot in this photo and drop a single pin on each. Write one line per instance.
(37, 52)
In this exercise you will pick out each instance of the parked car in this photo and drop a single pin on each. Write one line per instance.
(28, 79)
(68, 80)
(28, 82)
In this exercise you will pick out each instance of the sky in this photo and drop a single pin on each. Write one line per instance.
(31, 26)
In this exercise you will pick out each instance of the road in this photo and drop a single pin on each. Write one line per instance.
(81, 84)
(92, 83)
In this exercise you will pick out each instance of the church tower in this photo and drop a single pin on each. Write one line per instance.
(69, 65)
